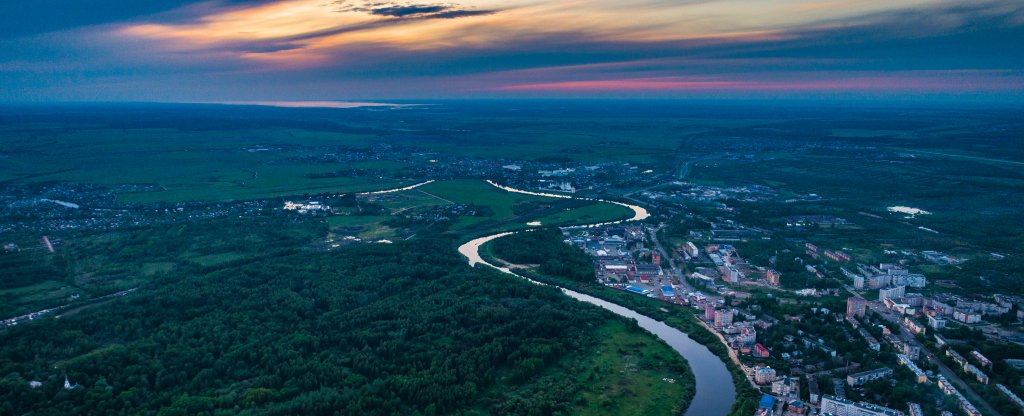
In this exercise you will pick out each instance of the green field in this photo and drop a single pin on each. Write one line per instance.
(93, 264)
(34, 297)
(367, 227)
(187, 165)
(587, 214)
(566, 211)
(507, 210)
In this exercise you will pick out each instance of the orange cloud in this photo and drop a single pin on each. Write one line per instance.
(306, 32)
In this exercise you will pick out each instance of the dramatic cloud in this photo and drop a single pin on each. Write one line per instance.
(436, 11)
(359, 49)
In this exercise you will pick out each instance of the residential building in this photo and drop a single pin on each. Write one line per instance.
(831, 405)
(786, 386)
(723, 317)
(691, 249)
(730, 273)
(856, 306)
(813, 390)
(966, 406)
(977, 373)
(760, 351)
(911, 351)
(764, 375)
(966, 317)
(919, 375)
(913, 326)
(879, 281)
(981, 359)
(1013, 397)
(959, 359)
(895, 292)
(872, 342)
(867, 376)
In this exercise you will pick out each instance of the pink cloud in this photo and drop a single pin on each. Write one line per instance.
(907, 81)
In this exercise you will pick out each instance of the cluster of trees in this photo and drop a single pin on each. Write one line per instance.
(373, 330)
(546, 248)
(23, 268)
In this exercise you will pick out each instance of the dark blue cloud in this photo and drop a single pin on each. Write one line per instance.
(28, 17)
(407, 10)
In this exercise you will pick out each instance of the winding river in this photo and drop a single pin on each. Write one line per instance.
(715, 392)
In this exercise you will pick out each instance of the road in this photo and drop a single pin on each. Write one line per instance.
(665, 255)
(968, 157)
(39, 314)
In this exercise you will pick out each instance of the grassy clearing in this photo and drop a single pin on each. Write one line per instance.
(510, 211)
(215, 259)
(632, 373)
(621, 371)
(594, 212)
(37, 296)
(369, 227)
(477, 192)
(150, 269)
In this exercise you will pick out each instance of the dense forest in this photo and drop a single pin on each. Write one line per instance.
(370, 330)
(546, 249)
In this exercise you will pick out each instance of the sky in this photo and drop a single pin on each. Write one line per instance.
(329, 50)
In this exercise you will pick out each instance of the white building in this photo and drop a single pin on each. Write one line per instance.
(764, 375)
(891, 293)
(966, 317)
(841, 407)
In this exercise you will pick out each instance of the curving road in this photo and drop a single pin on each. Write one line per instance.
(715, 392)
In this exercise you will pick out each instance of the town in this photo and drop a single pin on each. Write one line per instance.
(815, 329)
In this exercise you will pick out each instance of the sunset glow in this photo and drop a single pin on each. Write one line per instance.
(312, 49)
